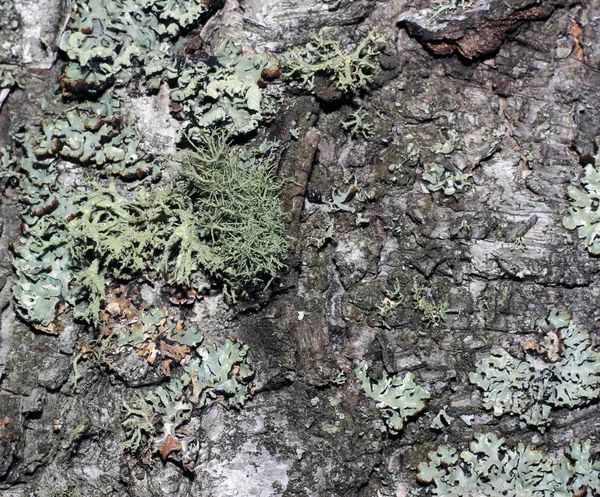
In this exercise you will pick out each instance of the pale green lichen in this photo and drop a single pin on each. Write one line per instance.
(398, 397)
(224, 95)
(159, 419)
(432, 313)
(41, 262)
(349, 71)
(55, 486)
(219, 219)
(357, 124)
(108, 42)
(96, 135)
(392, 299)
(533, 386)
(7, 80)
(88, 134)
(438, 178)
(490, 468)
(584, 213)
(340, 199)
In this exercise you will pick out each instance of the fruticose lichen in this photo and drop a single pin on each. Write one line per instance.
(584, 213)
(569, 375)
(432, 313)
(439, 178)
(349, 71)
(357, 124)
(398, 398)
(490, 468)
(219, 220)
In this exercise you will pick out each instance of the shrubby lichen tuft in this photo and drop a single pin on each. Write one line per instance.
(219, 219)
(349, 71)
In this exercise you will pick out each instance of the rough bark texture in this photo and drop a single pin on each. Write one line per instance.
(514, 86)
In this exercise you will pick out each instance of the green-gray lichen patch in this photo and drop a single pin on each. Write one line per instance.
(357, 124)
(492, 469)
(97, 136)
(158, 420)
(41, 261)
(398, 397)
(226, 94)
(438, 178)
(219, 220)
(533, 386)
(584, 213)
(349, 71)
(90, 134)
(432, 313)
(108, 42)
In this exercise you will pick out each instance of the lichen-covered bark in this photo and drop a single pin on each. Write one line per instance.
(507, 91)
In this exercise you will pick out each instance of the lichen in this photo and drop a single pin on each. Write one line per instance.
(584, 214)
(109, 42)
(357, 124)
(349, 71)
(220, 219)
(438, 178)
(90, 134)
(398, 398)
(157, 421)
(432, 313)
(224, 94)
(492, 469)
(569, 376)
(392, 299)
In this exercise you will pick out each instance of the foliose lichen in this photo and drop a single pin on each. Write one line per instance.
(432, 313)
(584, 213)
(349, 71)
(157, 421)
(90, 134)
(531, 387)
(224, 94)
(398, 397)
(438, 178)
(492, 469)
(108, 42)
